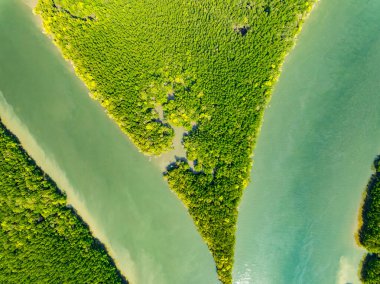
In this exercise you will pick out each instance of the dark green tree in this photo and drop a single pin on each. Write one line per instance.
(42, 240)
(209, 65)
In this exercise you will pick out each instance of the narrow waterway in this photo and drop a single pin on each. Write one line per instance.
(118, 191)
(314, 155)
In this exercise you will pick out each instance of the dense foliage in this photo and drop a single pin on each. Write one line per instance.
(210, 65)
(369, 233)
(41, 239)
(370, 270)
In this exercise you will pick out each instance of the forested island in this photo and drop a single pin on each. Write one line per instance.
(42, 239)
(209, 65)
(369, 232)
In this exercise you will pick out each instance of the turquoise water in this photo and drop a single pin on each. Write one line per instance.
(312, 161)
(314, 155)
(118, 191)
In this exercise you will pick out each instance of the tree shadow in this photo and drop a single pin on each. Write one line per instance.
(242, 30)
(91, 17)
(369, 264)
(175, 165)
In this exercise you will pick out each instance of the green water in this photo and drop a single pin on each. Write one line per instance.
(312, 161)
(117, 190)
(314, 155)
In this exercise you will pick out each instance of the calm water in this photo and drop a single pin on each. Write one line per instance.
(116, 189)
(315, 152)
(312, 161)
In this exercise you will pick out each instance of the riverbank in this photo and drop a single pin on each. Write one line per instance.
(312, 156)
(47, 164)
(203, 74)
(121, 190)
(369, 233)
(40, 216)
(30, 3)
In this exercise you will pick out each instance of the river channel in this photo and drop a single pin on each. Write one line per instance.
(117, 190)
(313, 158)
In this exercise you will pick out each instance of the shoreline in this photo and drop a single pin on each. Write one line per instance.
(274, 84)
(30, 3)
(363, 199)
(268, 157)
(365, 221)
(359, 219)
(73, 206)
(49, 166)
(161, 159)
(31, 147)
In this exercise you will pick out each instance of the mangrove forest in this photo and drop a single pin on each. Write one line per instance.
(369, 232)
(42, 239)
(209, 65)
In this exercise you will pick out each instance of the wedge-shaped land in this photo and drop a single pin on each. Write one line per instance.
(369, 233)
(208, 65)
(42, 240)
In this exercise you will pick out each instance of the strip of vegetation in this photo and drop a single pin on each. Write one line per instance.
(369, 233)
(210, 65)
(42, 240)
